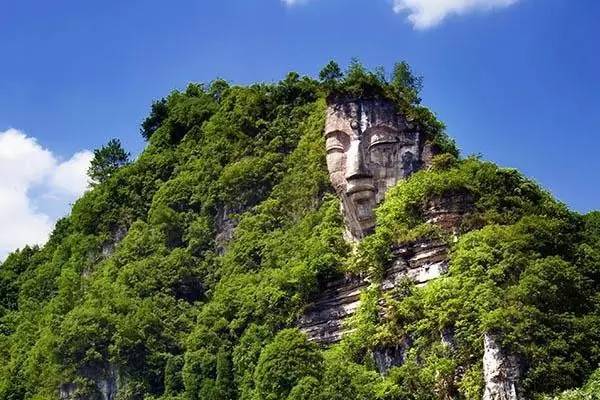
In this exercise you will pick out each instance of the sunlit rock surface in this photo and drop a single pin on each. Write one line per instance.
(501, 371)
(370, 147)
(421, 261)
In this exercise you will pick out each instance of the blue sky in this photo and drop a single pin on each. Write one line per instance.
(515, 80)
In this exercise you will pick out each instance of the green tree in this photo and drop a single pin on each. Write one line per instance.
(331, 74)
(173, 377)
(224, 380)
(159, 111)
(284, 362)
(107, 159)
(308, 388)
(406, 83)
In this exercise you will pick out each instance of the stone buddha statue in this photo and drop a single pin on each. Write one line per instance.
(370, 147)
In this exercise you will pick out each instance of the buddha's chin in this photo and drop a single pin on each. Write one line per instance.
(363, 204)
(363, 228)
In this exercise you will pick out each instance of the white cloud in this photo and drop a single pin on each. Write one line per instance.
(424, 14)
(30, 175)
(291, 3)
(71, 176)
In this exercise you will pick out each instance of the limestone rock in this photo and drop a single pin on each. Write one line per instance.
(109, 247)
(501, 371)
(370, 147)
(323, 321)
(224, 226)
(387, 357)
(448, 211)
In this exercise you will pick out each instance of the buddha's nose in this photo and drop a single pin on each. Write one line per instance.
(355, 162)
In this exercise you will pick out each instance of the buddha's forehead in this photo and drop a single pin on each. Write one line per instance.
(356, 117)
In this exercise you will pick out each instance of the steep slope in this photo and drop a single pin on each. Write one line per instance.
(186, 274)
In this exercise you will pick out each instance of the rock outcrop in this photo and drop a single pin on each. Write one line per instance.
(387, 357)
(324, 320)
(501, 371)
(224, 227)
(421, 260)
(115, 238)
(449, 211)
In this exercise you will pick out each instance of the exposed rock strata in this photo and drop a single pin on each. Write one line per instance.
(421, 260)
(449, 211)
(110, 245)
(224, 227)
(323, 321)
(387, 357)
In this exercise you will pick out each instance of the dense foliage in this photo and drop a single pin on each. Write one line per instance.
(182, 274)
(525, 271)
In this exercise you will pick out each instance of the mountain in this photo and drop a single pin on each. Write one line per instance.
(307, 239)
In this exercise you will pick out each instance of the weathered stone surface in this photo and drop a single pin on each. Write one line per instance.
(448, 211)
(224, 226)
(67, 391)
(387, 357)
(115, 238)
(421, 261)
(108, 385)
(324, 320)
(370, 147)
(501, 371)
(429, 151)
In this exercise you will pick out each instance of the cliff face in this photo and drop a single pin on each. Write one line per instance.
(324, 320)
(370, 148)
(421, 261)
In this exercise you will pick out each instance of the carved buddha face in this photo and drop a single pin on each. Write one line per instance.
(369, 149)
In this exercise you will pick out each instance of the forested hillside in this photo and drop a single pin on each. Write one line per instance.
(182, 275)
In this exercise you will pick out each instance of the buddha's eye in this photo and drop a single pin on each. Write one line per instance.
(383, 143)
(383, 138)
(337, 142)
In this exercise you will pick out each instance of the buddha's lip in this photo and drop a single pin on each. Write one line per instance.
(360, 188)
(364, 219)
